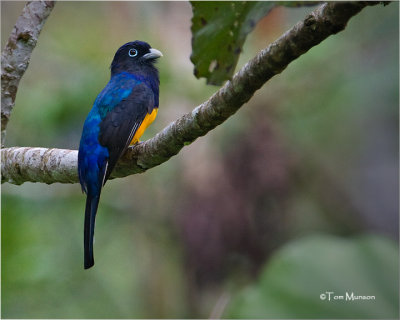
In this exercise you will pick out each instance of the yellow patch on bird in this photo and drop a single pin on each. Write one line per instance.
(148, 119)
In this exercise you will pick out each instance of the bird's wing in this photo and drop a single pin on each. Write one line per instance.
(118, 127)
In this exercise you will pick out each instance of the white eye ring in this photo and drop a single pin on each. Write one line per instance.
(133, 52)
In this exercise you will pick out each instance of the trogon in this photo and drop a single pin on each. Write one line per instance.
(119, 116)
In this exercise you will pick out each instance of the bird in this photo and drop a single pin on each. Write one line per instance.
(121, 113)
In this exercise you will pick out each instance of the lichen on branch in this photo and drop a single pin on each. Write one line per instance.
(57, 165)
(17, 53)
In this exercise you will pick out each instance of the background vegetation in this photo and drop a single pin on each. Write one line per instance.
(295, 195)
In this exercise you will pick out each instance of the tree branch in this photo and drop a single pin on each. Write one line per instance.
(56, 165)
(17, 53)
(19, 165)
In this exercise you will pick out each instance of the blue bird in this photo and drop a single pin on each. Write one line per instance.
(120, 115)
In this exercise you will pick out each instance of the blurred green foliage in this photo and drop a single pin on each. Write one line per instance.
(219, 30)
(333, 113)
(298, 274)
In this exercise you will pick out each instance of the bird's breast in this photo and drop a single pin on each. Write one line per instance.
(148, 119)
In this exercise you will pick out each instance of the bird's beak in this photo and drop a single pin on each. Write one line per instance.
(153, 54)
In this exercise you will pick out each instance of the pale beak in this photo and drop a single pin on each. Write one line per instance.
(153, 54)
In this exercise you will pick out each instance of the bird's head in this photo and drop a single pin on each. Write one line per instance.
(135, 56)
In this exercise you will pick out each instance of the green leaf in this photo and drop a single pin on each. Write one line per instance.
(297, 4)
(293, 281)
(219, 30)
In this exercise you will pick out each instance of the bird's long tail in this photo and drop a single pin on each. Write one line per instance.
(90, 217)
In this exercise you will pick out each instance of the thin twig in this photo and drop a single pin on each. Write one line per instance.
(220, 306)
(17, 53)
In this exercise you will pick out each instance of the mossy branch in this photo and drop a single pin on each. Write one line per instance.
(57, 165)
(17, 53)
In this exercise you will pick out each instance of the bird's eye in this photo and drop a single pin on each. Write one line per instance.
(133, 52)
